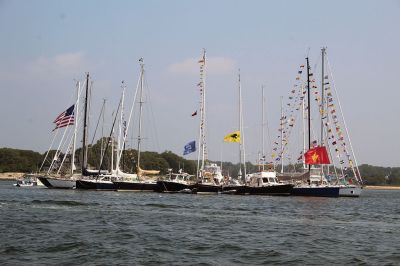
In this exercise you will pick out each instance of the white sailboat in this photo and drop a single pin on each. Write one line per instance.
(61, 181)
(140, 180)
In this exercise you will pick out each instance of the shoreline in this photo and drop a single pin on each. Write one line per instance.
(382, 187)
(10, 176)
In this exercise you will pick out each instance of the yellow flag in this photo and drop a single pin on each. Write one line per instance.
(233, 137)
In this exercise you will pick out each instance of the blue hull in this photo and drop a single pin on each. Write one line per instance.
(316, 191)
(98, 185)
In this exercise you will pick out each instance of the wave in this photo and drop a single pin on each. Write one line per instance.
(62, 202)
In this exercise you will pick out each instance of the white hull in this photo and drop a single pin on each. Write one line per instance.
(350, 191)
(39, 183)
(61, 183)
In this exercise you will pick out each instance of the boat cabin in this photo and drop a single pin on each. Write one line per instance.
(263, 178)
(212, 174)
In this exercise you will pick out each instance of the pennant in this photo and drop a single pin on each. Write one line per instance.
(189, 148)
(233, 137)
(317, 155)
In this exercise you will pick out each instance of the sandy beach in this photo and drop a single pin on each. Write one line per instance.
(10, 176)
(383, 187)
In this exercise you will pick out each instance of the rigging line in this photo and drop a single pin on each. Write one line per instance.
(108, 140)
(90, 106)
(151, 112)
(131, 111)
(97, 124)
(359, 178)
(58, 151)
(68, 147)
(47, 153)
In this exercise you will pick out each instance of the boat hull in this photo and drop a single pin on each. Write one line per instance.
(172, 187)
(350, 191)
(58, 183)
(200, 188)
(136, 186)
(234, 189)
(44, 181)
(272, 190)
(95, 185)
(316, 191)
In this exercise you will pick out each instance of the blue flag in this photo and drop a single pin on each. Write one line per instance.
(189, 148)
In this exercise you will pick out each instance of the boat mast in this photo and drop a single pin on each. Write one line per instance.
(262, 128)
(322, 112)
(240, 129)
(76, 111)
(322, 95)
(202, 137)
(85, 130)
(120, 145)
(102, 128)
(304, 126)
(308, 110)
(282, 121)
(140, 112)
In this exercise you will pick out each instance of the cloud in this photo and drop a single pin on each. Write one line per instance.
(215, 65)
(61, 65)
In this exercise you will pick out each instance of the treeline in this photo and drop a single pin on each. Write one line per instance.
(14, 160)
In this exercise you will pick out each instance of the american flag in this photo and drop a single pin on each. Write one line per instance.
(66, 118)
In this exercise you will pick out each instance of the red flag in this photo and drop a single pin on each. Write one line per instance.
(317, 155)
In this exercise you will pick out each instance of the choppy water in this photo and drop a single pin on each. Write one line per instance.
(40, 226)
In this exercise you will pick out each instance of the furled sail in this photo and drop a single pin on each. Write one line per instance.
(142, 172)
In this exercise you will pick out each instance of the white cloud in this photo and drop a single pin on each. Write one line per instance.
(61, 65)
(215, 65)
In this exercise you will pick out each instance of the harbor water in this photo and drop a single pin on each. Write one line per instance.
(40, 226)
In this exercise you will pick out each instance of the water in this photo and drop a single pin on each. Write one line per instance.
(39, 226)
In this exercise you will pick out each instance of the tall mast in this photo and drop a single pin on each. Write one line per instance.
(322, 94)
(303, 106)
(102, 128)
(140, 112)
(240, 128)
(308, 109)
(202, 137)
(282, 121)
(322, 99)
(262, 128)
(76, 111)
(85, 130)
(120, 141)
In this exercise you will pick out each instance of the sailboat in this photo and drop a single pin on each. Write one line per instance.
(176, 183)
(65, 182)
(317, 183)
(140, 180)
(237, 186)
(347, 188)
(265, 181)
(94, 179)
(209, 176)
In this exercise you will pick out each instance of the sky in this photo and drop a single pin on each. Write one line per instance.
(46, 46)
